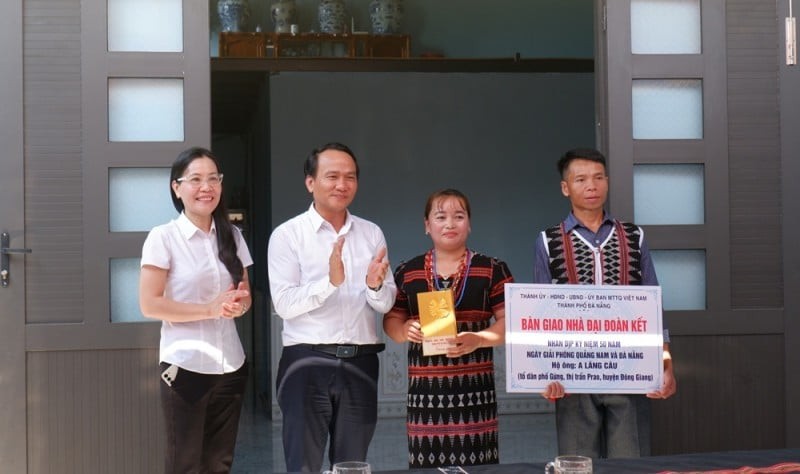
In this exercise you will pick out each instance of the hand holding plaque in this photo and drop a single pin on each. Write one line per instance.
(437, 316)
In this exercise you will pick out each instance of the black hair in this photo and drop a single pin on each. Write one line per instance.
(445, 193)
(225, 240)
(579, 154)
(310, 165)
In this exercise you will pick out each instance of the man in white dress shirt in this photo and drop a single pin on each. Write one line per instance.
(328, 281)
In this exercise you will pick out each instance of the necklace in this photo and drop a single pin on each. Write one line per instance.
(433, 275)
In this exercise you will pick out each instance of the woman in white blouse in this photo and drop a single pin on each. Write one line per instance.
(194, 279)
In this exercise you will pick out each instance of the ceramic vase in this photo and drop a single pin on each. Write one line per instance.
(385, 16)
(233, 14)
(284, 14)
(332, 16)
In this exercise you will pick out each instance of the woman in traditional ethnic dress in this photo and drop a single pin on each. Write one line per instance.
(452, 409)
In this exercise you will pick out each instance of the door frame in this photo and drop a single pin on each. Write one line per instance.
(13, 442)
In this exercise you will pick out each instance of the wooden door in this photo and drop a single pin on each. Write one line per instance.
(705, 109)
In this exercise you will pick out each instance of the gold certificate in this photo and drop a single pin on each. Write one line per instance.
(437, 316)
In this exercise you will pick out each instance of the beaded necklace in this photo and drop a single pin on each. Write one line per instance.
(433, 275)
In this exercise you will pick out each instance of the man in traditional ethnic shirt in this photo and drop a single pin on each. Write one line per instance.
(591, 247)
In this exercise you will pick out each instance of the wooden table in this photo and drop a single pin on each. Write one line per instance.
(729, 461)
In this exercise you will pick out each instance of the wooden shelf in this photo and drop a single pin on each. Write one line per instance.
(362, 64)
(312, 45)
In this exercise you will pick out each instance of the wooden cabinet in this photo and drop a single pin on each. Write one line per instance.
(310, 45)
(245, 45)
(386, 46)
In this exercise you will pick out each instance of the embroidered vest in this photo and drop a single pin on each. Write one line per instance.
(574, 260)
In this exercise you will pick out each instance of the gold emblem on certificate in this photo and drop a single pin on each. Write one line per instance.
(437, 317)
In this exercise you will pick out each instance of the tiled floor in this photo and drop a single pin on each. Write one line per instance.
(523, 438)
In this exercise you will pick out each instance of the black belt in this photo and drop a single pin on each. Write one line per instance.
(346, 351)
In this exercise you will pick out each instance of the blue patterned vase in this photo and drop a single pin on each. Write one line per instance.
(332, 16)
(386, 16)
(233, 14)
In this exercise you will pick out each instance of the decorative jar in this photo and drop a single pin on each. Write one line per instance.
(332, 16)
(385, 16)
(284, 14)
(233, 14)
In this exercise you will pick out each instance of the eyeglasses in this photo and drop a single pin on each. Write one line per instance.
(196, 181)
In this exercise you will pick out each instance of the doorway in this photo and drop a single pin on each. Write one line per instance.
(495, 136)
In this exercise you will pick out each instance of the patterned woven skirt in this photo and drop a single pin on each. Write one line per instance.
(452, 411)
